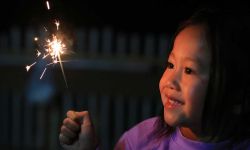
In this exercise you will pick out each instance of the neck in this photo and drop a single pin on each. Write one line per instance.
(190, 134)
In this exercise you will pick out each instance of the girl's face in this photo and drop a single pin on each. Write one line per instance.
(184, 83)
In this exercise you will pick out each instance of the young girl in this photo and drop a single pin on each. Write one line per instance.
(204, 90)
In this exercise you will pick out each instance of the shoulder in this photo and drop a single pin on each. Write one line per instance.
(245, 144)
(140, 136)
(143, 128)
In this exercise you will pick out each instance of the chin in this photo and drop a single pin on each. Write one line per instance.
(172, 120)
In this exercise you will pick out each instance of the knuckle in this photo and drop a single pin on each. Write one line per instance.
(71, 125)
(64, 139)
(69, 112)
(65, 121)
(63, 129)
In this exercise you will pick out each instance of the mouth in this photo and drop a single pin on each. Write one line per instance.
(172, 102)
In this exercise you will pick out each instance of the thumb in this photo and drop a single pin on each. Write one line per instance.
(82, 117)
(87, 135)
(85, 118)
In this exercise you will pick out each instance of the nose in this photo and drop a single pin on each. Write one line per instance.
(171, 79)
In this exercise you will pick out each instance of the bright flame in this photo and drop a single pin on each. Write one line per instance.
(54, 48)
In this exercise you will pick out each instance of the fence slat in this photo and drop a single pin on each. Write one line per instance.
(132, 111)
(121, 45)
(107, 37)
(149, 46)
(93, 41)
(15, 37)
(68, 103)
(118, 117)
(29, 41)
(16, 120)
(81, 43)
(134, 45)
(81, 102)
(92, 100)
(4, 48)
(4, 117)
(146, 108)
(163, 47)
(28, 125)
(53, 129)
(41, 120)
(105, 121)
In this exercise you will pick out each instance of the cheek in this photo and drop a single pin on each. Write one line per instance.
(162, 81)
(195, 95)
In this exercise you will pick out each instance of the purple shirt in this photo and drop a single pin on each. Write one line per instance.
(140, 137)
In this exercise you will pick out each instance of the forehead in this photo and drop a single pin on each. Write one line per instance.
(191, 43)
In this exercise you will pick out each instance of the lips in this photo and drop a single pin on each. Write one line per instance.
(172, 102)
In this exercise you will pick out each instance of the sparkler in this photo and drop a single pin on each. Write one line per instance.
(47, 3)
(53, 48)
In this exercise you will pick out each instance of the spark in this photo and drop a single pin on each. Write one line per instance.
(43, 73)
(38, 53)
(53, 48)
(57, 24)
(29, 66)
(47, 3)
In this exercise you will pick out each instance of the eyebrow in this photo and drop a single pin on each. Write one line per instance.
(196, 60)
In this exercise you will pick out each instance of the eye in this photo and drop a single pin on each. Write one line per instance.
(170, 65)
(188, 70)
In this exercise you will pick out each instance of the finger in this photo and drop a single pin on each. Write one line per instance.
(72, 115)
(72, 125)
(75, 116)
(65, 140)
(86, 118)
(67, 132)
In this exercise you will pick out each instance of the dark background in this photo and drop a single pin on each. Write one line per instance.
(151, 15)
(127, 15)
(119, 87)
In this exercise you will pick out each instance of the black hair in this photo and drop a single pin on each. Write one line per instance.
(226, 112)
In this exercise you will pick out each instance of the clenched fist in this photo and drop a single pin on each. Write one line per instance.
(77, 132)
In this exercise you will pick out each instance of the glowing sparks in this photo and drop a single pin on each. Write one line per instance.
(47, 3)
(57, 25)
(53, 47)
(38, 53)
(28, 67)
(43, 73)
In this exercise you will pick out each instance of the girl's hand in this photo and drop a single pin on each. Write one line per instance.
(77, 132)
